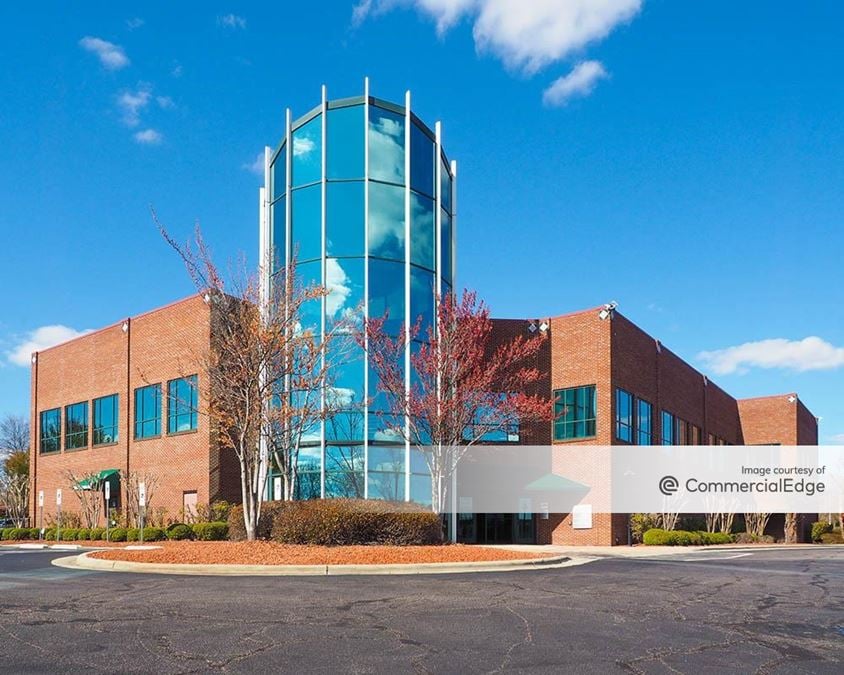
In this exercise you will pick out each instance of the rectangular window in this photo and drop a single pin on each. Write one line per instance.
(76, 426)
(181, 404)
(574, 411)
(624, 415)
(696, 435)
(644, 422)
(104, 424)
(682, 437)
(51, 431)
(668, 428)
(148, 411)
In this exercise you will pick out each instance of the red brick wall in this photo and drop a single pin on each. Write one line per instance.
(158, 346)
(769, 420)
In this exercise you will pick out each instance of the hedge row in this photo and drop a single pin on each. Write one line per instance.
(178, 531)
(657, 537)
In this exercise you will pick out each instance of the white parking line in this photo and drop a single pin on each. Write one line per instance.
(715, 556)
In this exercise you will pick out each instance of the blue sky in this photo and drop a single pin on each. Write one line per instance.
(682, 160)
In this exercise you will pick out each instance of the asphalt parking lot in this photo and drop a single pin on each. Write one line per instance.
(711, 612)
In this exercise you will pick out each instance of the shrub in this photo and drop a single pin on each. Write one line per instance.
(641, 523)
(716, 537)
(5, 532)
(153, 534)
(819, 530)
(749, 538)
(50, 534)
(338, 522)
(97, 533)
(237, 530)
(210, 531)
(16, 533)
(132, 534)
(832, 537)
(657, 537)
(68, 533)
(178, 532)
(83, 534)
(118, 534)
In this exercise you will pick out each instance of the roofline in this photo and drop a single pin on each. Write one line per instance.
(117, 323)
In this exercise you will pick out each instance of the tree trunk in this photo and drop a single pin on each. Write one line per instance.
(791, 531)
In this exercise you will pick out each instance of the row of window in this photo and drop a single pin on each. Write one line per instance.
(104, 425)
(575, 417)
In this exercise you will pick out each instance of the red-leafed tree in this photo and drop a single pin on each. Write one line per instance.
(464, 385)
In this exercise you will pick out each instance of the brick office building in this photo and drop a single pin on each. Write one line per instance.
(103, 402)
(122, 401)
(616, 385)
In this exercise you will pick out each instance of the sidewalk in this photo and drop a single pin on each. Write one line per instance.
(650, 551)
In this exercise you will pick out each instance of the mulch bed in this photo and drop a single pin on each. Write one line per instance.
(269, 553)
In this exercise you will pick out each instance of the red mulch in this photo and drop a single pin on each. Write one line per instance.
(269, 553)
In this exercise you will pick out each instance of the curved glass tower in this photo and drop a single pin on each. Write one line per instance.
(360, 190)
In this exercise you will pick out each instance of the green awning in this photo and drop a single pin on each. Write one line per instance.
(552, 482)
(95, 481)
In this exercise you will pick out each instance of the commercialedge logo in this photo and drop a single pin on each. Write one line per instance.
(668, 485)
(779, 485)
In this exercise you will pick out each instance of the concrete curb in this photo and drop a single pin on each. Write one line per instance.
(83, 562)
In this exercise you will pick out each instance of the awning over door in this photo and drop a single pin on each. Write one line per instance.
(95, 481)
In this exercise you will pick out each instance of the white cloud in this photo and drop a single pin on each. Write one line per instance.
(526, 36)
(131, 103)
(177, 70)
(837, 438)
(165, 102)
(111, 55)
(302, 146)
(579, 82)
(149, 137)
(811, 353)
(231, 21)
(132, 24)
(257, 166)
(40, 339)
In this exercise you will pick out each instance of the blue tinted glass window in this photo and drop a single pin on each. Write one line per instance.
(445, 252)
(386, 473)
(76, 426)
(386, 145)
(386, 221)
(422, 227)
(278, 171)
(309, 474)
(279, 224)
(306, 226)
(344, 283)
(420, 489)
(422, 150)
(182, 404)
(421, 301)
(345, 213)
(344, 471)
(345, 392)
(386, 294)
(668, 428)
(345, 149)
(445, 186)
(309, 275)
(624, 415)
(51, 430)
(104, 424)
(148, 411)
(574, 413)
(307, 152)
(644, 422)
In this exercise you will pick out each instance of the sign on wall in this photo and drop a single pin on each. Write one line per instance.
(59, 497)
(581, 517)
(142, 494)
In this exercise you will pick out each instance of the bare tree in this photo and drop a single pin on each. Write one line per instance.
(14, 469)
(755, 523)
(791, 530)
(14, 434)
(88, 490)
(267, 372)
(131, 482)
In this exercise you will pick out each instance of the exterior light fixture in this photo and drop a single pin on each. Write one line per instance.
(606, 312)
(792, 399)
(125, 326)
(532, 326)
(207, 298)
(34, 358)
(543, 326)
